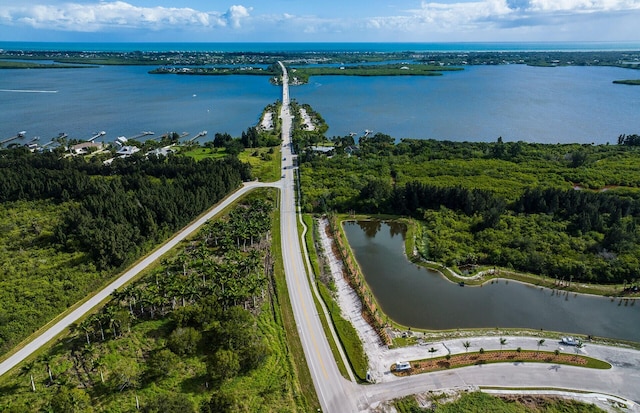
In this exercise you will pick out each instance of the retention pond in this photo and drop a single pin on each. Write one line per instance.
(414, 296)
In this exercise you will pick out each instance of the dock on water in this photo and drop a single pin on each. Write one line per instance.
(19, 135)
(200, 134)
(96, 136)
(143, 134)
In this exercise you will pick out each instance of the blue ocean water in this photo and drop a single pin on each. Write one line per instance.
(323, 47)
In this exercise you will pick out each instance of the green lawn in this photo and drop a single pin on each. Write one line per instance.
(265, 162)
(198, 152)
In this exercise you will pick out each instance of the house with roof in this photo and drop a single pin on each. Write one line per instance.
(127, 151)
(164, 151)
(85, 148)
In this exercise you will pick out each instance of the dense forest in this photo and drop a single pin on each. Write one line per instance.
(199, 332)
(68, 224)
(565, 211)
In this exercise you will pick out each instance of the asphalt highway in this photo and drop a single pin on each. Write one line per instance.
(334, 392)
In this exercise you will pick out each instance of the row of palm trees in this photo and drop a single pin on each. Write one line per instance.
(503, 342)
(210, 265)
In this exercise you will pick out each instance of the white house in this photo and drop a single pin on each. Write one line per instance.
(127, 151)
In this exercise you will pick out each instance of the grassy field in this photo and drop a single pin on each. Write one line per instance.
(265, 162)
(481, 402)
(198, 152)
(501, 356)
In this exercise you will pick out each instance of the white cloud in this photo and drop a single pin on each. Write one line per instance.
(486, 15)
(235, 14)
(584, 5)
(432, 20)
(103, 15)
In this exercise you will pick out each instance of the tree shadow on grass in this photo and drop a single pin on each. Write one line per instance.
(61, 347)
(162, 331)
(196, 384)
(10, 390)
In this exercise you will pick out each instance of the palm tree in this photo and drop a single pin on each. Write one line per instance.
(88, 352)
(466, 346)
(578, 347)
(99, 364)
(85, 326)
(98, 319)
(540, 343)
(46, 359)
(503, 341)
(27, 369)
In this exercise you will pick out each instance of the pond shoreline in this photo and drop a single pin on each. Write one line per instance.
(381, 357)
(558, 296)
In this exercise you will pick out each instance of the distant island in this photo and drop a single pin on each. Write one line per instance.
(300, 75)
(31, 65)
(626, 59)
(633, 82)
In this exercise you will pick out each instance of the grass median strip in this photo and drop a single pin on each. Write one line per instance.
(288, 321)
(498, 356)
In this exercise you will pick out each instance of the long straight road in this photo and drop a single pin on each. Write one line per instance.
(334, 392)
(76, 314)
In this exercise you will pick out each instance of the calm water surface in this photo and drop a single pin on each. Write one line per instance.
(127, 100)
(481, 103)
(417, 297)
(550, 105)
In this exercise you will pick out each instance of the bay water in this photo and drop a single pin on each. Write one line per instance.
(480, 103)
(125, 100)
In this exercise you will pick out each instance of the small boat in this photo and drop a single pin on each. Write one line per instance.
(461, 283)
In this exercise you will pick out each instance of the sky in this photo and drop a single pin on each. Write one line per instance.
(319, 21)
